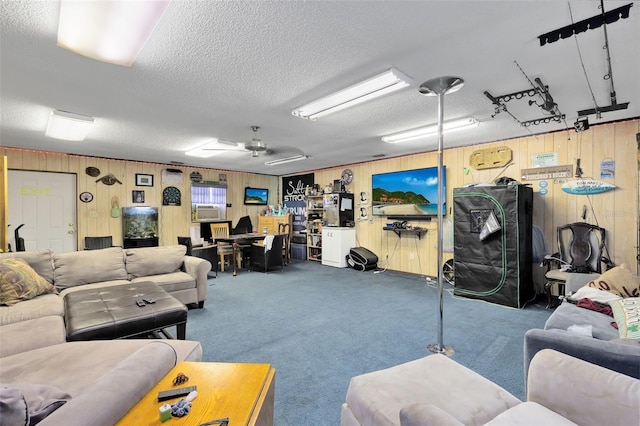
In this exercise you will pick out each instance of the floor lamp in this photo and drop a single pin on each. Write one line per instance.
(439, 87)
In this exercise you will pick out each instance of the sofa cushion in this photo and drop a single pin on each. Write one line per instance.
(529, 413)
(19, 282)
(619, 280)
(72, 366)
(88, 266)
(42, 332)
(148, 261)
(112, 395)
(568, 314)
(171, 282)
(29, 404)
(420, 414)
(627, 315)
(40, 260)
(42, 306)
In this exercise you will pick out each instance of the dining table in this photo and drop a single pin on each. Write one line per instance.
(236, 240)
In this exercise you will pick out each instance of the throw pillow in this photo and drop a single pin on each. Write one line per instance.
(619, 280)
(29, 404)
(594, 294)
(18, 282)
(626, 312)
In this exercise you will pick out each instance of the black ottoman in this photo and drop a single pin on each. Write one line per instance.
(112, 313)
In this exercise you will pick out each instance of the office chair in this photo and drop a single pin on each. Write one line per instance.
(268, 255)
(244, 226)
(97, 243)
(580, 250)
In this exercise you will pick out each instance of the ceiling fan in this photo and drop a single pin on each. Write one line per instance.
(255, 146)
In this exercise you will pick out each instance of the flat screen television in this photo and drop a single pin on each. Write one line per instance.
(256, 196)
(408, 194)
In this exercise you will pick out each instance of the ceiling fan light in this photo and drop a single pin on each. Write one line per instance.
(108, 31)
(287, 160)
(374, 87)
(432, 129)
(202, 151)
(68, 126)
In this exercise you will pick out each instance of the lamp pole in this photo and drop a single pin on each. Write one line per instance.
(439, 87)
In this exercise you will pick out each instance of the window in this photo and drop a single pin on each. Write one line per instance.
(209, 194)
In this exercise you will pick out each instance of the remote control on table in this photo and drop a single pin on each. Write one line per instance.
(175, 393)
(140, 302)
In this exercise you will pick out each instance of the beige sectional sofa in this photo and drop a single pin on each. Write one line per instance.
(94, 382)
(184, 277)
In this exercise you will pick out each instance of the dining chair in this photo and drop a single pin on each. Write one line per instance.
(244, 226)
(268, 254)
(225, 250)
(96, 243)
(186, 241)
(285, 230)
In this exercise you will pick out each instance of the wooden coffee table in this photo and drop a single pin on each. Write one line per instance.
(242, 392)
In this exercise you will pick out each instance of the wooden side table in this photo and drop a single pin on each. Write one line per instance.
(242, 392)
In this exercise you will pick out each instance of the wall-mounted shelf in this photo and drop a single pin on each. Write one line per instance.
(419, 232)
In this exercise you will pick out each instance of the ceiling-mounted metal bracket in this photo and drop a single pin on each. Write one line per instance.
(586, 24)
(543, 120)
(511, 96)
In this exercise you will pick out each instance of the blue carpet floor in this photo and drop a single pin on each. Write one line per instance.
(319, 326)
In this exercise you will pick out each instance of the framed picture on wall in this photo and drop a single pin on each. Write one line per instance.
(137, 196)
(144, 180)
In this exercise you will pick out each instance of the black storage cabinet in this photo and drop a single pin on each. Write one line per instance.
(498, 268)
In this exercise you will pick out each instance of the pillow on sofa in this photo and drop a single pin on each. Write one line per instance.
(148, 261)
(88, 266)
(626, 312)
(594, 294)
(619, 280)
(18, 282)
(29, 404)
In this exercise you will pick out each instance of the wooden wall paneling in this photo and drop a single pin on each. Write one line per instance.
(618, 208)
(623, 216)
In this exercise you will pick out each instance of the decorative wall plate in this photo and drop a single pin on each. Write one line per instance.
(86, 197)
(171, 196)
(93, 171)
(195, 177)
(347, 176)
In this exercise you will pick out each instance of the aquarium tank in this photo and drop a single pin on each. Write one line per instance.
(140, 222)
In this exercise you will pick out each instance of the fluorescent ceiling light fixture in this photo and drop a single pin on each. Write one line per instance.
(68, 126)
(287, 160)
(376, 86)
(422, 132)
(110, 31)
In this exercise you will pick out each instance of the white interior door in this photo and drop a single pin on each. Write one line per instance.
(45, 203)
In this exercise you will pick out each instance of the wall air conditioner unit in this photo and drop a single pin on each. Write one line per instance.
(207, 212)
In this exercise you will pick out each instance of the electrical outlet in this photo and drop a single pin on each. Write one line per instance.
(411, 256)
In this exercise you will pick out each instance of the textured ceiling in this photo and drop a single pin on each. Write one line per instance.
(213, 69)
